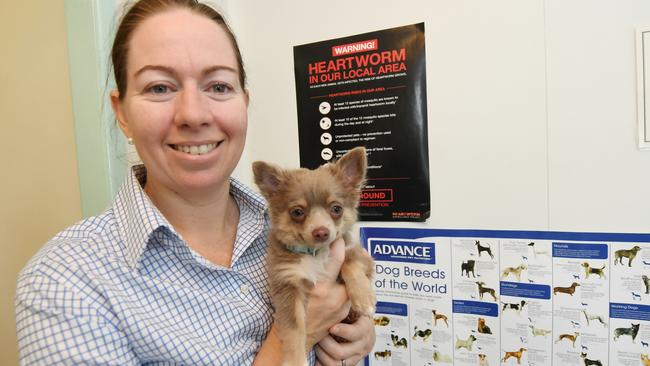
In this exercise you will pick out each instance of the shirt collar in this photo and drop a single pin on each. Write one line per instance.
(138, 218)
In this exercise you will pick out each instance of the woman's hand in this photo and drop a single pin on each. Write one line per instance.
(361, 339)
(328, 301)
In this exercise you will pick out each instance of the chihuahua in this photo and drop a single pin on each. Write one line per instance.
(309, 209)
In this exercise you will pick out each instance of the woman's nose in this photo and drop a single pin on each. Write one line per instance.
(192, 108)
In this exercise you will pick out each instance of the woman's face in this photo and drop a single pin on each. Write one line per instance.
(184, 107)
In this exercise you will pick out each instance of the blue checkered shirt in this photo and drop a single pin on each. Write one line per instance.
(123, 288)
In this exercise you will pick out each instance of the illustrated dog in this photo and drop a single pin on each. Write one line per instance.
(570, 337)
(514, 271)
(566, 290)
(309, 209)
(646, 282)
(467, 267)
(589, 362)
(382, 355)
(465, 343)
(482, 327)
(645, 360)
(398, 342)
(424, 334)
(626, 253)
(632, 331)
(482, 360)
(482, 289)
(381, 321)
(437, 316)
(515, 354)
(482, 249)
(590, 270)
(539, 331)
(590, 317)
(439, 357)
(516, 307)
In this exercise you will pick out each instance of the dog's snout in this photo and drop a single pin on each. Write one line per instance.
(321, 234)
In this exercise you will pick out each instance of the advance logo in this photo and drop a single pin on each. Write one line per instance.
(394, 250)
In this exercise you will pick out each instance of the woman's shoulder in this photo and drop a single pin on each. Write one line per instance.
(74, 247)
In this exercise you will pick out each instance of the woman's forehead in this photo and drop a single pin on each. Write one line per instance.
(180, 39)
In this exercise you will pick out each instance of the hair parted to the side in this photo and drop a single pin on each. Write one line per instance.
(143, 9)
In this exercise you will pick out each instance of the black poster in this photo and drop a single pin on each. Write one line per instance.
(369, 90)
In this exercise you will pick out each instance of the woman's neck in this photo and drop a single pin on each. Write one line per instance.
(207, 222)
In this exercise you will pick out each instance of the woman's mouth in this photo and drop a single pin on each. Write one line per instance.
(195, 149)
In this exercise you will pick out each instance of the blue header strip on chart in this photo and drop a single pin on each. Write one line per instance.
(582, 251)
(629, 311)
(528, 290)
(475, 308)
(414, 233)
(391, 308)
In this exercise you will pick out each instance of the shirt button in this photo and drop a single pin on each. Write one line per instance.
(244, 289)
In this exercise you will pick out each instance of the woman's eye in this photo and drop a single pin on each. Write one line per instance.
(220, 88)
(159, 89)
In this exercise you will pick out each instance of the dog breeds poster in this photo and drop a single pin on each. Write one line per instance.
(481, 297)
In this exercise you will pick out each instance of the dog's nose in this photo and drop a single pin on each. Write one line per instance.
(321, 234)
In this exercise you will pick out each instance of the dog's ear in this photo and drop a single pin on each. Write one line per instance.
(268, 178)
(353, 166)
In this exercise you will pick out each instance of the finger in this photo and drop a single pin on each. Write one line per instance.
(324, 357)
(336, 257)
(348, 332)
(361, 334)
(336, 352)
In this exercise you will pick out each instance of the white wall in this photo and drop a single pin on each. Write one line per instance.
(531, 104)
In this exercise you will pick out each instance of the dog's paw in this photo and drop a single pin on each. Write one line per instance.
(364, 305)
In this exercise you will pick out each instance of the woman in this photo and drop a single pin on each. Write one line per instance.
(174, 271)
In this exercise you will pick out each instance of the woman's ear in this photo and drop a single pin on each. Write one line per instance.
(116, 104)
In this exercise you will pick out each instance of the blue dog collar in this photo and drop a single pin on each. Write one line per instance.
(299, 249)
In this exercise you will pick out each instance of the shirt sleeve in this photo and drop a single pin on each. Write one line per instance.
(59, 324)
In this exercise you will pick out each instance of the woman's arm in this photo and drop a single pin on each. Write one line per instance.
(271, 351)
(56, 324)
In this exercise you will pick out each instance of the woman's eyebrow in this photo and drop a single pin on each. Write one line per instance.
(165, 69)
(171, 71)
(214, 68)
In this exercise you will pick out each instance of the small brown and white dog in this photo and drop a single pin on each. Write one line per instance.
(309, 209)
(437, 316)
(570, 337)
(516, 354)
(482, 360)
(381, 321)
(589, 270)
(516, 271)
(566, 290)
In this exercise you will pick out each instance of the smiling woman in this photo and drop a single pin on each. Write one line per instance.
(174, 271)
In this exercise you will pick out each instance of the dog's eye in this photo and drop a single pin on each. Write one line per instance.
(297, 213)
(336, 211)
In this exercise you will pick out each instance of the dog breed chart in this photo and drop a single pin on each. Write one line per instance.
(482, 297)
